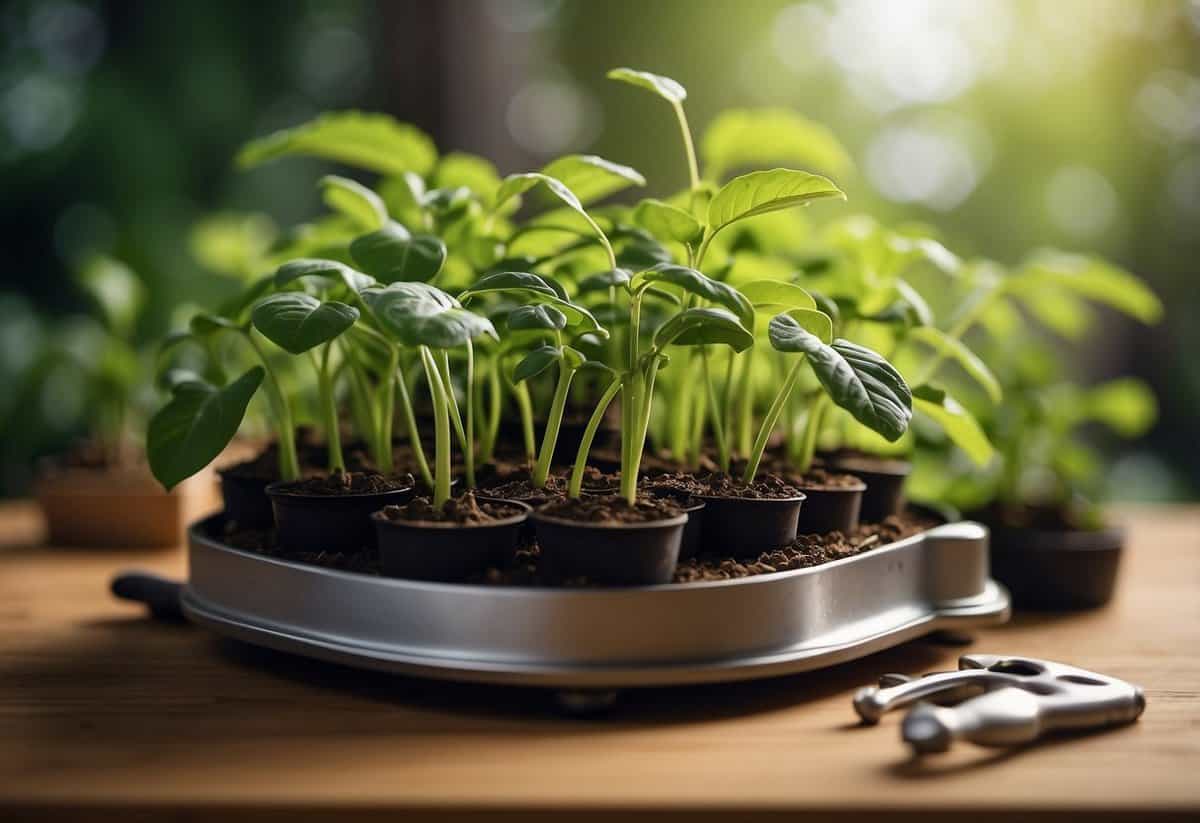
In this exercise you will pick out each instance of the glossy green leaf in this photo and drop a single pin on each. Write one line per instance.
(704, 326)
(536, 362)
(355, 201)
(533, 289)
(700, 285)
(374, 142)
(856, 378)
(757, 137)
(955, 421)
(326, 271)
(196, 425)
(777, 295)
(297, 322)
(956, 350)
(667, 222)
(813, 321)
(1088, 277)
(760, 192)
(395, 254)
(603, 280)
(592, 178)
(664, 87)
(536, 317)
(418, 314)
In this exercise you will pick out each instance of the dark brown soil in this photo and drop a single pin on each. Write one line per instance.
(806, 550)
(361, 482)
(517, 486)
(612, 509)
(464, 510)
(819, 478)
(766, 487)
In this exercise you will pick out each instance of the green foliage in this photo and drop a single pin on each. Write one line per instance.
(592, 178)
(703, 327)
(395, 254)
(297, 322)
(746, 137)
(373, 142)
(667, 222)
(664, 87)
(418, 314)
(957, 423)
(354, 200)
(761, 192)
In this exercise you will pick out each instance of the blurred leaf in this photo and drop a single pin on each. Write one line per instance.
(232, 243)
(1126, 405)
(355, 201)
(592, 178)
(468, 170)
(957, 423)
(667, 222)
(116, 290)
(704, 326)
(1061, 311)
(664, 87)
(760, 192)
(192, 429)
(374, 142)
(1088, 277)
(957, 351)
(395, 254)
(757, 137)
(297, 322)
(773, 294)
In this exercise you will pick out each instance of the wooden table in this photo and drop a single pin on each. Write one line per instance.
(104, 712)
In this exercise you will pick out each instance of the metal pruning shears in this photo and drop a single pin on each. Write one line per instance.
(994, 700)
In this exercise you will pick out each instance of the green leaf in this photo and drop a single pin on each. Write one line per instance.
(1127, 406)
(856, 378)
(642, 254)
(536, 290)
(374, 142)
(955, 421)
(418, 314)
(756, 137)
(702, 327)
(199, 421)
(297, 322)
(203, 325)
(664, 87)
(536, 362)
(667, 222)
(115, 289)
(770, 294)
(394, 254)
(760, 192)
(355, 201)
(325, 270)
(592, 178)
(957, 351)
(1088, 277)
(467, 170)
(232, 243)
(603, 280)
(700, 285)
(536, 317)
(813, 321)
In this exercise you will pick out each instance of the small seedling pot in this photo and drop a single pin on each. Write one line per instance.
(446, 551)
(693, 507)
(610, 554)
(328, 522)
(884, 495)
(246, 501)
(748, 526)
(1057, 569)
(831, 509)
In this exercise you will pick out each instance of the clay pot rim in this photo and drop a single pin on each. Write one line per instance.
(667, 522)
(273, 490)
(448, 525)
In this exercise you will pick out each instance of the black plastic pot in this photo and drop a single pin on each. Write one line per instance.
(693, 507)
(748, 526)
(446, 551)
(328, 522)
(884, 496)
(615, 554)
(1057, 569)
(246, 501)
(831, 509)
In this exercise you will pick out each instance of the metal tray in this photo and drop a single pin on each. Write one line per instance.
(601, 638)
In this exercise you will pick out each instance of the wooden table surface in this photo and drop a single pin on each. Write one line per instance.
(104, 712)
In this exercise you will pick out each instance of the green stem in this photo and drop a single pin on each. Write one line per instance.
(956, 332)
(525, 409)
(455, 416)
(289, 462)
(696, 435)
(717, 423)
(812, 428)
(768, 423)
(414, 435)
(441, 422)
(745, 395)
(541, 471)
(688, 146)
(325, 393)
(682, 409)
(589, 435)
(360, 401)
(727, 403)
(387, 410)
(487, 447)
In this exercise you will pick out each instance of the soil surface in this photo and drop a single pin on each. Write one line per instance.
(819, 478)
(766, 487)
(517, 486)
(360, 482)
(613, 509)
(464, 510)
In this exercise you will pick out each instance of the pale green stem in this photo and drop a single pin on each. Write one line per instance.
(325, 394)
(441, 422)
(717, 423)
(541, 470)
(360, 397)
(589, 435)
(682, 410)
(768, 423)
(387, 410)
(696, 435)
(688, 147)
(414, 434)
(289, 463)
(525, 409)
(745, 395)
(812, 429)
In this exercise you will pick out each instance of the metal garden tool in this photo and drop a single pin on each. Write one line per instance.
(996, 700)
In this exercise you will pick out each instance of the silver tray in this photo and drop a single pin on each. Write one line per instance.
(601, 638)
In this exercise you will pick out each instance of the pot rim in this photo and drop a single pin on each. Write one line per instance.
(799, 498)
(1105, 539)
(861, 486)
(511, 520)
(665, 523)
(274, 492)
(886, 466)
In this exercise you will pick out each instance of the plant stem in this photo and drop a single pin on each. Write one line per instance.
(456, 419)
(696, 435)
(541, 471)
(768, 423)
(360, 401)
(487, 447)
(414, 435)
(812, 429)
(289, 463)
(441, 422)
(682, 409)
(956, 332)
(525, 409)
(325, 394)
(589, 435)
(717, 424)
(727, 404)
(745, 395)
(688, 147)
(387, 411)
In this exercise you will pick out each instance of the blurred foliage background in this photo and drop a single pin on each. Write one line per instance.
(1009, 124)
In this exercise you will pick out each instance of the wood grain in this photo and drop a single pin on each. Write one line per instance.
(103, 712)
